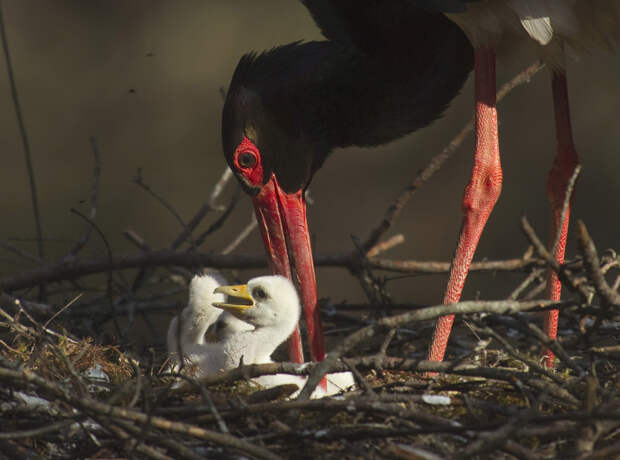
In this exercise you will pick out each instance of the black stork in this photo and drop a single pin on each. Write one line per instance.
(386, 69)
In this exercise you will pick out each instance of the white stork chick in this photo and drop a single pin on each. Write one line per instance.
(271, 305)
(197, 317)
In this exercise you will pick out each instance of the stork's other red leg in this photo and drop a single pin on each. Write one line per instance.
(560, 174)
(480, 194)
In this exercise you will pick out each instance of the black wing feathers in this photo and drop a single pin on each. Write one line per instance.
(374, 24)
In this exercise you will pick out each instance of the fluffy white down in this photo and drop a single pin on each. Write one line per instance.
(576, 25)
(197, 317)
(264, 327)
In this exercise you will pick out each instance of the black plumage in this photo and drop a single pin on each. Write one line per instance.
(386, 69)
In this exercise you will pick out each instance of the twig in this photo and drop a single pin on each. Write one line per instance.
(93, 200)
(15, 250)
(555, 346)
(565, 206)
(24, 136)
(204, 209)
(72, 269)
(137, 179)
(218, 188)
(186, 233)
(386, 245)
(35, 322)
(241, 236)
(488, 443)
(132, 444)
(588, 249)
(206, 395)
(352, 405)
(13, 304)
(563, 273)
(110, 270)
(180, 450)
(220, 220)
(136, 239)
(516, 354)
(36, 432)
(533, 276)
(360, 378)
(426, 267)
(71, 302)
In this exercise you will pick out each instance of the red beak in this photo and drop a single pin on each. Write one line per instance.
(282, 221)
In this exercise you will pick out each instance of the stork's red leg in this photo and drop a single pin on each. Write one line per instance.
(480, 194)
(560, 174)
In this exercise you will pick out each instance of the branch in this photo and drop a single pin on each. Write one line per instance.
(76, 268)
(593, 267)
(23, 133)
(563, 273)
(93, 200)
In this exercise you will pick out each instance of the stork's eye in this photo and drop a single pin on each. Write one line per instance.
(259, 293)
(247, 159)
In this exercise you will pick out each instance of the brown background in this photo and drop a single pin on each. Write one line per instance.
(75, 63)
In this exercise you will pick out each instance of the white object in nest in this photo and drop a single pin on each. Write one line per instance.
(253, 329)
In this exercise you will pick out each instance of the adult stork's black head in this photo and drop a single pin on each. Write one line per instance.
(387, 69)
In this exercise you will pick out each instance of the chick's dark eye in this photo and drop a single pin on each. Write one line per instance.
(259, 293)
(247, 159)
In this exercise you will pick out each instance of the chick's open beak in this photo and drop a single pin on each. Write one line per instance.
(239, 291)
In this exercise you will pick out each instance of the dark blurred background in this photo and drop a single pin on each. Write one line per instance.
(144, 78)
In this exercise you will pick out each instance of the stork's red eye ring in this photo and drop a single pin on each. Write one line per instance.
(247, 159)
(247, 162)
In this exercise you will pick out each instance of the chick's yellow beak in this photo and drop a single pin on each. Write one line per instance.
(239, 291)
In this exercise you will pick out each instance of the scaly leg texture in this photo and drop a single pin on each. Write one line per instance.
(560, 175)
(481, 193)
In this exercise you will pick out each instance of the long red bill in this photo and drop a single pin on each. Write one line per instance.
(282, 220)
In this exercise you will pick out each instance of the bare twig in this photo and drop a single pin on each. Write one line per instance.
(533, 276)
(220, 220)
(76, 268)
(136, 239)
(563, 273)
(241, 236)
(385, 245)
(565, 206)
(24, 135)
(179, 449)
(593, 266)
(93, 200)
(110, 270)
(36, 432)
(218, 188)
(15, 250)
(555, 346)
(131, 443)
(137, 179)
(520, 356)
(55, 315)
